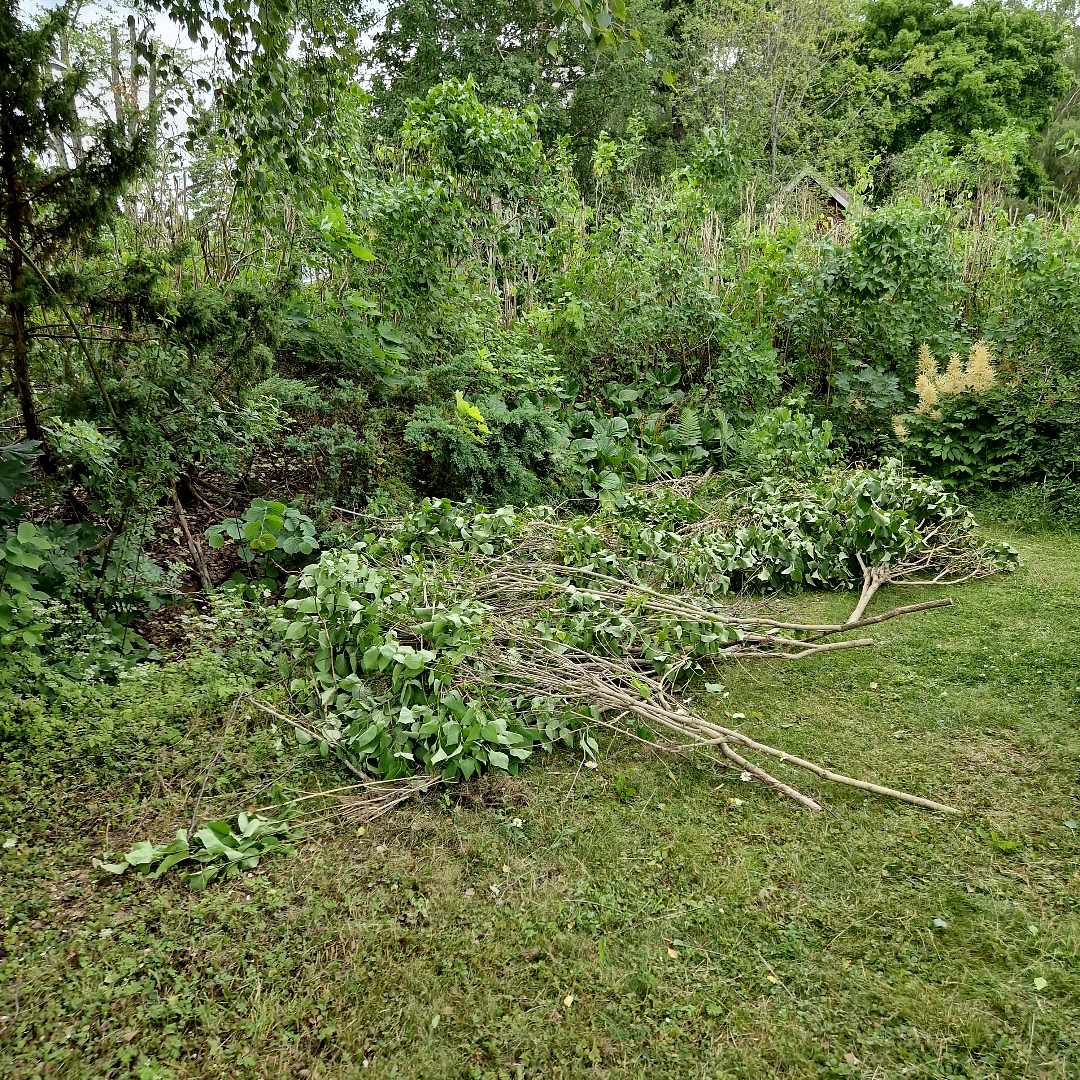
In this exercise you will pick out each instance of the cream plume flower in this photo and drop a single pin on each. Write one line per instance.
(979, 376)
(954, 380)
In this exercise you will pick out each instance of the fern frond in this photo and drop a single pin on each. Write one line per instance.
(689, 428)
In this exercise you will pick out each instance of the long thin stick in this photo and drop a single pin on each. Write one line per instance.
(658, 710)
(193, 547)
(766, 778)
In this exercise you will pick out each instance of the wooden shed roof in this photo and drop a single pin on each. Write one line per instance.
(839, 195)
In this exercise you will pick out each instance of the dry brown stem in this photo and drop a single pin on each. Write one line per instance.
(611, 687)
(192, 544)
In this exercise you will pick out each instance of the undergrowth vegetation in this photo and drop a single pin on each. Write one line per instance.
(414, 396)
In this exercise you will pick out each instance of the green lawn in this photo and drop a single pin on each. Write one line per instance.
(649, 919)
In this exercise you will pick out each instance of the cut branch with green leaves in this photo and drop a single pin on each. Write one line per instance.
(453, 641)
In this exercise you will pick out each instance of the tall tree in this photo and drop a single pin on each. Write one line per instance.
(48, 204)
(528, 52)
(752, 66)
(1059, 149)
(961, 69)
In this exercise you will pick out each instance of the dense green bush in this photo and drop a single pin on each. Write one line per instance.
(484, 449)
(1029, 303)
(636, 302)
(850, 329)
(1003, 437)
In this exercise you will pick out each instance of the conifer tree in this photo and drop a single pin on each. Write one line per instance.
(48, 206)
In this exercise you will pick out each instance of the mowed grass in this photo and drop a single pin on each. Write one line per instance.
(647, 919)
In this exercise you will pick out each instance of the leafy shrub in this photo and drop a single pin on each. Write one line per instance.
(178, 391)
(266, 528)
(1029, 304)
(240, 322)
(83, 446)
(785, 442)
(64, 616)
(971, 428)
(464, 136)
(995, 439)
(850, 330)
(636, 301)
(486, 449)
(988, 167)
(615, 452)
(23, 552)
(337, 459)
(16, 462)
(354, 342)
(694, 335)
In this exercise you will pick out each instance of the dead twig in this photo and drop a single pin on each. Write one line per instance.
(192, 545)
(612, 687)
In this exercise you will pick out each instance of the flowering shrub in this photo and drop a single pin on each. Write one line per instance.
(972, 428)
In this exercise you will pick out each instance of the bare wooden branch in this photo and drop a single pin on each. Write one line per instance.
(192, 544)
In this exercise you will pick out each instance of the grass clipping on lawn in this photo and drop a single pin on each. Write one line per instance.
(537, 571)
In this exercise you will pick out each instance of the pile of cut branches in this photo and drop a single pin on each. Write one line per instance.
(454, 641)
